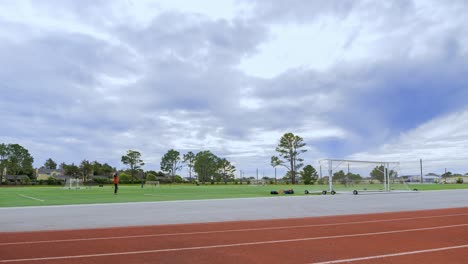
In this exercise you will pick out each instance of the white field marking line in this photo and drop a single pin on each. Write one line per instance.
(392, 255)
(228, 245)
(31, 198)
(229, 230)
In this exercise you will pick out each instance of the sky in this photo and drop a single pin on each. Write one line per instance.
(365, 80)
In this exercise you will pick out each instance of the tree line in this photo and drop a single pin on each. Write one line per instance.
(203, 166)
(15, 160)
(207, 166)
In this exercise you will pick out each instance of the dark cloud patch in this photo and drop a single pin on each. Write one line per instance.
(108, 85)
(371, 102)
(195, 39)
(300, 11)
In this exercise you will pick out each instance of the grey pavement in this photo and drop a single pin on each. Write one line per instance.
(177, 212)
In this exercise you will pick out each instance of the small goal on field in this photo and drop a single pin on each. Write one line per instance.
(358, 176)
(152, 184)
(74, 184)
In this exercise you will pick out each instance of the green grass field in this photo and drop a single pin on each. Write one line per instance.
(39, 195)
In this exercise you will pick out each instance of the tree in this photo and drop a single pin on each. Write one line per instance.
(86, 169)
(133, 161)
(189, 159)
(3, 160)
(96, 168)
(50, 164)
(339, 176)
(378, 173)
(289, 149)
(171, 162)
(19, 161)
(309, 174)
(225, 170)
(71, 170)
(205, 165)
(107, 170)
(447, 174)
(354, 178)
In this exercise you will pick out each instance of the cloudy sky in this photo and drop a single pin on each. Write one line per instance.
(373, 80)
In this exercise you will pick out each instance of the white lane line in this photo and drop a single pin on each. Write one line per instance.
(231, 230)
(230, 245)
(392, 255)
(31, 198)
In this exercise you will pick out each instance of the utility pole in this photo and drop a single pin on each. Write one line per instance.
(275, 175)
(257, 175)
(320, 171)
(420, 163)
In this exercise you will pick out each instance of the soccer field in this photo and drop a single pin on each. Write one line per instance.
(35, 196)
(39, 195)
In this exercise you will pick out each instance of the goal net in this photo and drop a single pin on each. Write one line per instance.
(74, 184)
(152, 184)
(359, 176)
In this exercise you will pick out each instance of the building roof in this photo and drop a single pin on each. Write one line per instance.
(48, 171)
(18, 177)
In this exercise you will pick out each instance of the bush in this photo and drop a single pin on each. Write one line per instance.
(178, 179)
(124, 178)
(151, 177)
(460, 180)
(51, 181)
(100, 180)
(26, 181)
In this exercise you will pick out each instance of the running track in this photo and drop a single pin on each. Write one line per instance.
(430, 236)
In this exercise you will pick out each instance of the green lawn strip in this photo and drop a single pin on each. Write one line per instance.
(18, 196)
(10, 196)
(433, 187)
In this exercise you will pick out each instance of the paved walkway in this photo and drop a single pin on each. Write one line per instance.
(176, 212)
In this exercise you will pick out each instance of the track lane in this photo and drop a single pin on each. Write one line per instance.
(229, 237)
(299, 251)
(453, 254)
(252, 236)
(6, 237)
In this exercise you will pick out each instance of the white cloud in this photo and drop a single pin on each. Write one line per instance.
(92, 79)
(441, 143)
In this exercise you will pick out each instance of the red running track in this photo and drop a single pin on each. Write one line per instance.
(435, 236)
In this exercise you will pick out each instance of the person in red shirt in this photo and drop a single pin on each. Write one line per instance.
(116, 182)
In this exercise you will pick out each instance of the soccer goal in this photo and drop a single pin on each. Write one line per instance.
(362, 176)
(74, 184)
(152, 184)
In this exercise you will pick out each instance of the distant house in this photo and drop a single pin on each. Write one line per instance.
(44, 174)
(20, 179)
(426, 178)
(431, 179)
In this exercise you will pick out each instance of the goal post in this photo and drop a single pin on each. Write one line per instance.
(360, 175)
(153, 184)
(72, 183)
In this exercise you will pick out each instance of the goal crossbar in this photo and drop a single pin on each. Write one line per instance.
(387, 165)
